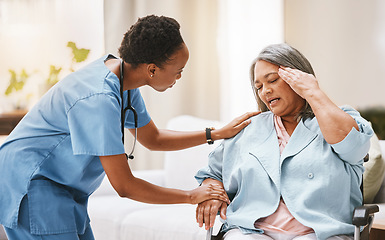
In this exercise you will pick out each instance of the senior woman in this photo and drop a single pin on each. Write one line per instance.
(295, 171)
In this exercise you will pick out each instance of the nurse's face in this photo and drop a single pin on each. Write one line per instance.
(274, 92)
(165, 77)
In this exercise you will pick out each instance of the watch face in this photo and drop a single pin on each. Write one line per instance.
(208, 136)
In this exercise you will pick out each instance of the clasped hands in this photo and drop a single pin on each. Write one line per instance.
(206, 211)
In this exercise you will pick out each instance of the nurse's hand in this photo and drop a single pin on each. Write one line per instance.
(234, 127)
(206, 212)
(208, 191)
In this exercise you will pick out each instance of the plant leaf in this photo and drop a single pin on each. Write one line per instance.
(16, 83)
(79, 55)
(53, 76)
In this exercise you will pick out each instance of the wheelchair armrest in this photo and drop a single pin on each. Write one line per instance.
(362, 214)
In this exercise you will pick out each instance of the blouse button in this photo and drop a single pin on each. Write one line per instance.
(310, 175)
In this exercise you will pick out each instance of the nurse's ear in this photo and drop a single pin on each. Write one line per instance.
(151, 69)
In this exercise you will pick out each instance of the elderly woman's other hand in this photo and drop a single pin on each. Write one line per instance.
(207, 211)
(302, 83)
(334, 123)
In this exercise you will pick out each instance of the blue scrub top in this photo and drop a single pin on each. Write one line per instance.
(52, 154)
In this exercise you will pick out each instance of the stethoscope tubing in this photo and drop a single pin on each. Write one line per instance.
(124, 110)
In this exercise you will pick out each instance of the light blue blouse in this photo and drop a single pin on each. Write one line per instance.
(52, 154)
(319, 182)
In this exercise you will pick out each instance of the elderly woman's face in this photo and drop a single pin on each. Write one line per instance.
(275, 92)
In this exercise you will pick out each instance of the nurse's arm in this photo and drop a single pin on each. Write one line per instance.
(167, 140)
(128, 186)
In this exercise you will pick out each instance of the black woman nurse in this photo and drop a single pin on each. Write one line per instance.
(59, 153)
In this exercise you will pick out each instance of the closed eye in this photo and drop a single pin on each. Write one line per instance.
(259, 87)
(273, 80)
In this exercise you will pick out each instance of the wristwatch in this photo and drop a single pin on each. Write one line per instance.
(208, 135)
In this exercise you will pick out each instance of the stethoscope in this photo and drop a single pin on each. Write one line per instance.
(124, 110)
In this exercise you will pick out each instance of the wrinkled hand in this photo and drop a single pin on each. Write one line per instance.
(208, 191)
(302, 83)
(234, 127)
(207, 211)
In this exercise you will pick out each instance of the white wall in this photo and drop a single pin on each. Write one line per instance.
(345, 42)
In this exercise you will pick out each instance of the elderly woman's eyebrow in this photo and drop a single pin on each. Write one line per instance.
(265, 76)
(270, 73)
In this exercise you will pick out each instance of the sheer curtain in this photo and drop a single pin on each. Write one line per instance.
(223, 37)
(245, 28)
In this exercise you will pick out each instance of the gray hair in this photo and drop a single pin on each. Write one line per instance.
(287, 56)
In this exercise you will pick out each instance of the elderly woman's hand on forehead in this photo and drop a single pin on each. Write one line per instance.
(302, 83)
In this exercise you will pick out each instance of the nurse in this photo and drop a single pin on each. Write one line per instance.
(59, 153)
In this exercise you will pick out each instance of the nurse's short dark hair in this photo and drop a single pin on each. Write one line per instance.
(152, 39)
(283, 55)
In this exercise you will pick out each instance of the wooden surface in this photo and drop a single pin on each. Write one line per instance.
(377, 234)
(378, 229)
(8, 121)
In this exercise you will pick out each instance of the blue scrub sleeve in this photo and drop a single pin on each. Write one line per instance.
(94, 125)
(138, 103)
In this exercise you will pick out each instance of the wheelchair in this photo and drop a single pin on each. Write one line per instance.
(363, 217)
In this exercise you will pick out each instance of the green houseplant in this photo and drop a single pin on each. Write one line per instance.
(78, 55)
(18, 80)
(16, 84)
